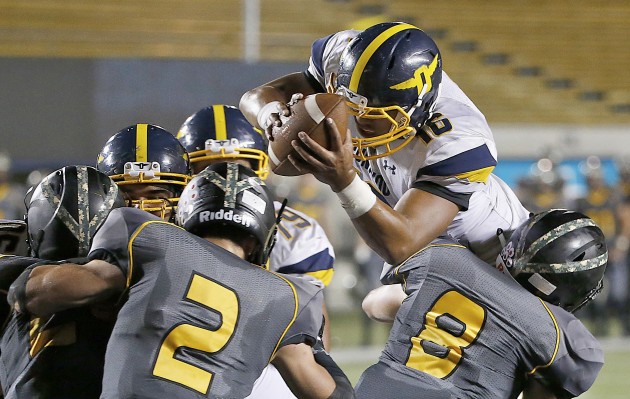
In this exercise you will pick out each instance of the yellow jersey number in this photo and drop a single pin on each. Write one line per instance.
(465, 319)
(210, 294)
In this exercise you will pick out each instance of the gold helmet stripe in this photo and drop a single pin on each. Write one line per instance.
(220, 127)
(141, 142)
(371, 49)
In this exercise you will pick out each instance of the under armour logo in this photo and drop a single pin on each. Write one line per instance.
(231, 184)
(421, 78)
(387, 166)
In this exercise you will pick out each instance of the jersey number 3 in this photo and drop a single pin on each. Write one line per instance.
(208, 294)
(450, 326)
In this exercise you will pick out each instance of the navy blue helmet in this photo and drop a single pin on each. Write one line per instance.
(391, 71)
(221, 132)
(144, 154)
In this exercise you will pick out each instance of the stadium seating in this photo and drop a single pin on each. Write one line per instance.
(520, 61)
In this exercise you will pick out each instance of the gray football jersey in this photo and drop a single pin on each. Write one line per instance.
(198, 321)
(470, 330)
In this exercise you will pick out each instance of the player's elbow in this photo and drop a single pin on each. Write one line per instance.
(399, 251)
(382, 304)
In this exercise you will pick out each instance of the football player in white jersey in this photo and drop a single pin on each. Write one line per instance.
(422, 144)
(220, 133)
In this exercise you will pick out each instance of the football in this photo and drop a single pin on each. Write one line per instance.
(307, 115)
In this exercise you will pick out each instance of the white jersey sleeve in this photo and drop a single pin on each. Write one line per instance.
(326, 54)
(302, 247)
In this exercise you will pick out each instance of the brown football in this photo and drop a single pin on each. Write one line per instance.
(307, 115)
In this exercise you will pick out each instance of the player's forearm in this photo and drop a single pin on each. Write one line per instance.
(398, 233)
(311, 373)
(393, 236)
(53, 288)
(280, 90)
(382, 303)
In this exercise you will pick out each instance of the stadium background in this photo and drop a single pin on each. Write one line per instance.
(551, 78)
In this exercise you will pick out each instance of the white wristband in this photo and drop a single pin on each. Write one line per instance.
(357, 199)
(265, 112)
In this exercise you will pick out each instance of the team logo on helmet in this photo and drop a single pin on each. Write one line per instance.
(421, 79)
(231, 185)
(82, 228)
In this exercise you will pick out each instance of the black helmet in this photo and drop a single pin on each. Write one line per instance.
(229, 195)
(146, 154)
(390, 66)
(66, 209)
(222, 132)
(558, 255)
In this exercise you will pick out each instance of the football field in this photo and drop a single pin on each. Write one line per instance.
(613, 381)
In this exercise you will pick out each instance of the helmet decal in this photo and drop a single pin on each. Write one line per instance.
(220, 125)
(141, 142)
(552, 235)
(371, 49)
(391, 71)
(232, 186)
(82, 228)
(421, 79)
(66, 209)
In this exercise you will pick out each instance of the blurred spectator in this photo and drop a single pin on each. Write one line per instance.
(11, 194)
(602, 203)
(543, 187)
(622, 244)
(619, 289)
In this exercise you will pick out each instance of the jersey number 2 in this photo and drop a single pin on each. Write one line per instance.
(208, 294)
(451, 325)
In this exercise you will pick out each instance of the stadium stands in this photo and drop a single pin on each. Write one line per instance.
(521, 61)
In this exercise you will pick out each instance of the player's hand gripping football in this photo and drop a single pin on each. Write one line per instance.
(275, 117)
(334, 167)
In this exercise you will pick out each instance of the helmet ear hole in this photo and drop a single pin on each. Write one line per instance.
(579, 257)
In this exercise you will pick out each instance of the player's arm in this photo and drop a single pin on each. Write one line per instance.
(277, 94)
(382, 303)
(47, 289)
(394, 233)
(310, 375)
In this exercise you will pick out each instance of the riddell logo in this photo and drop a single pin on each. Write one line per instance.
(223, 215)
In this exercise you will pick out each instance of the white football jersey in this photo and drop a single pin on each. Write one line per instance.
(302, 247)
(452, 156)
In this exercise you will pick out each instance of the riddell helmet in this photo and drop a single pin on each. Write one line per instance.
(390, 71)
(66, 209)
(222, 132)
(559, 256)
(147, 154)
(229, 196)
